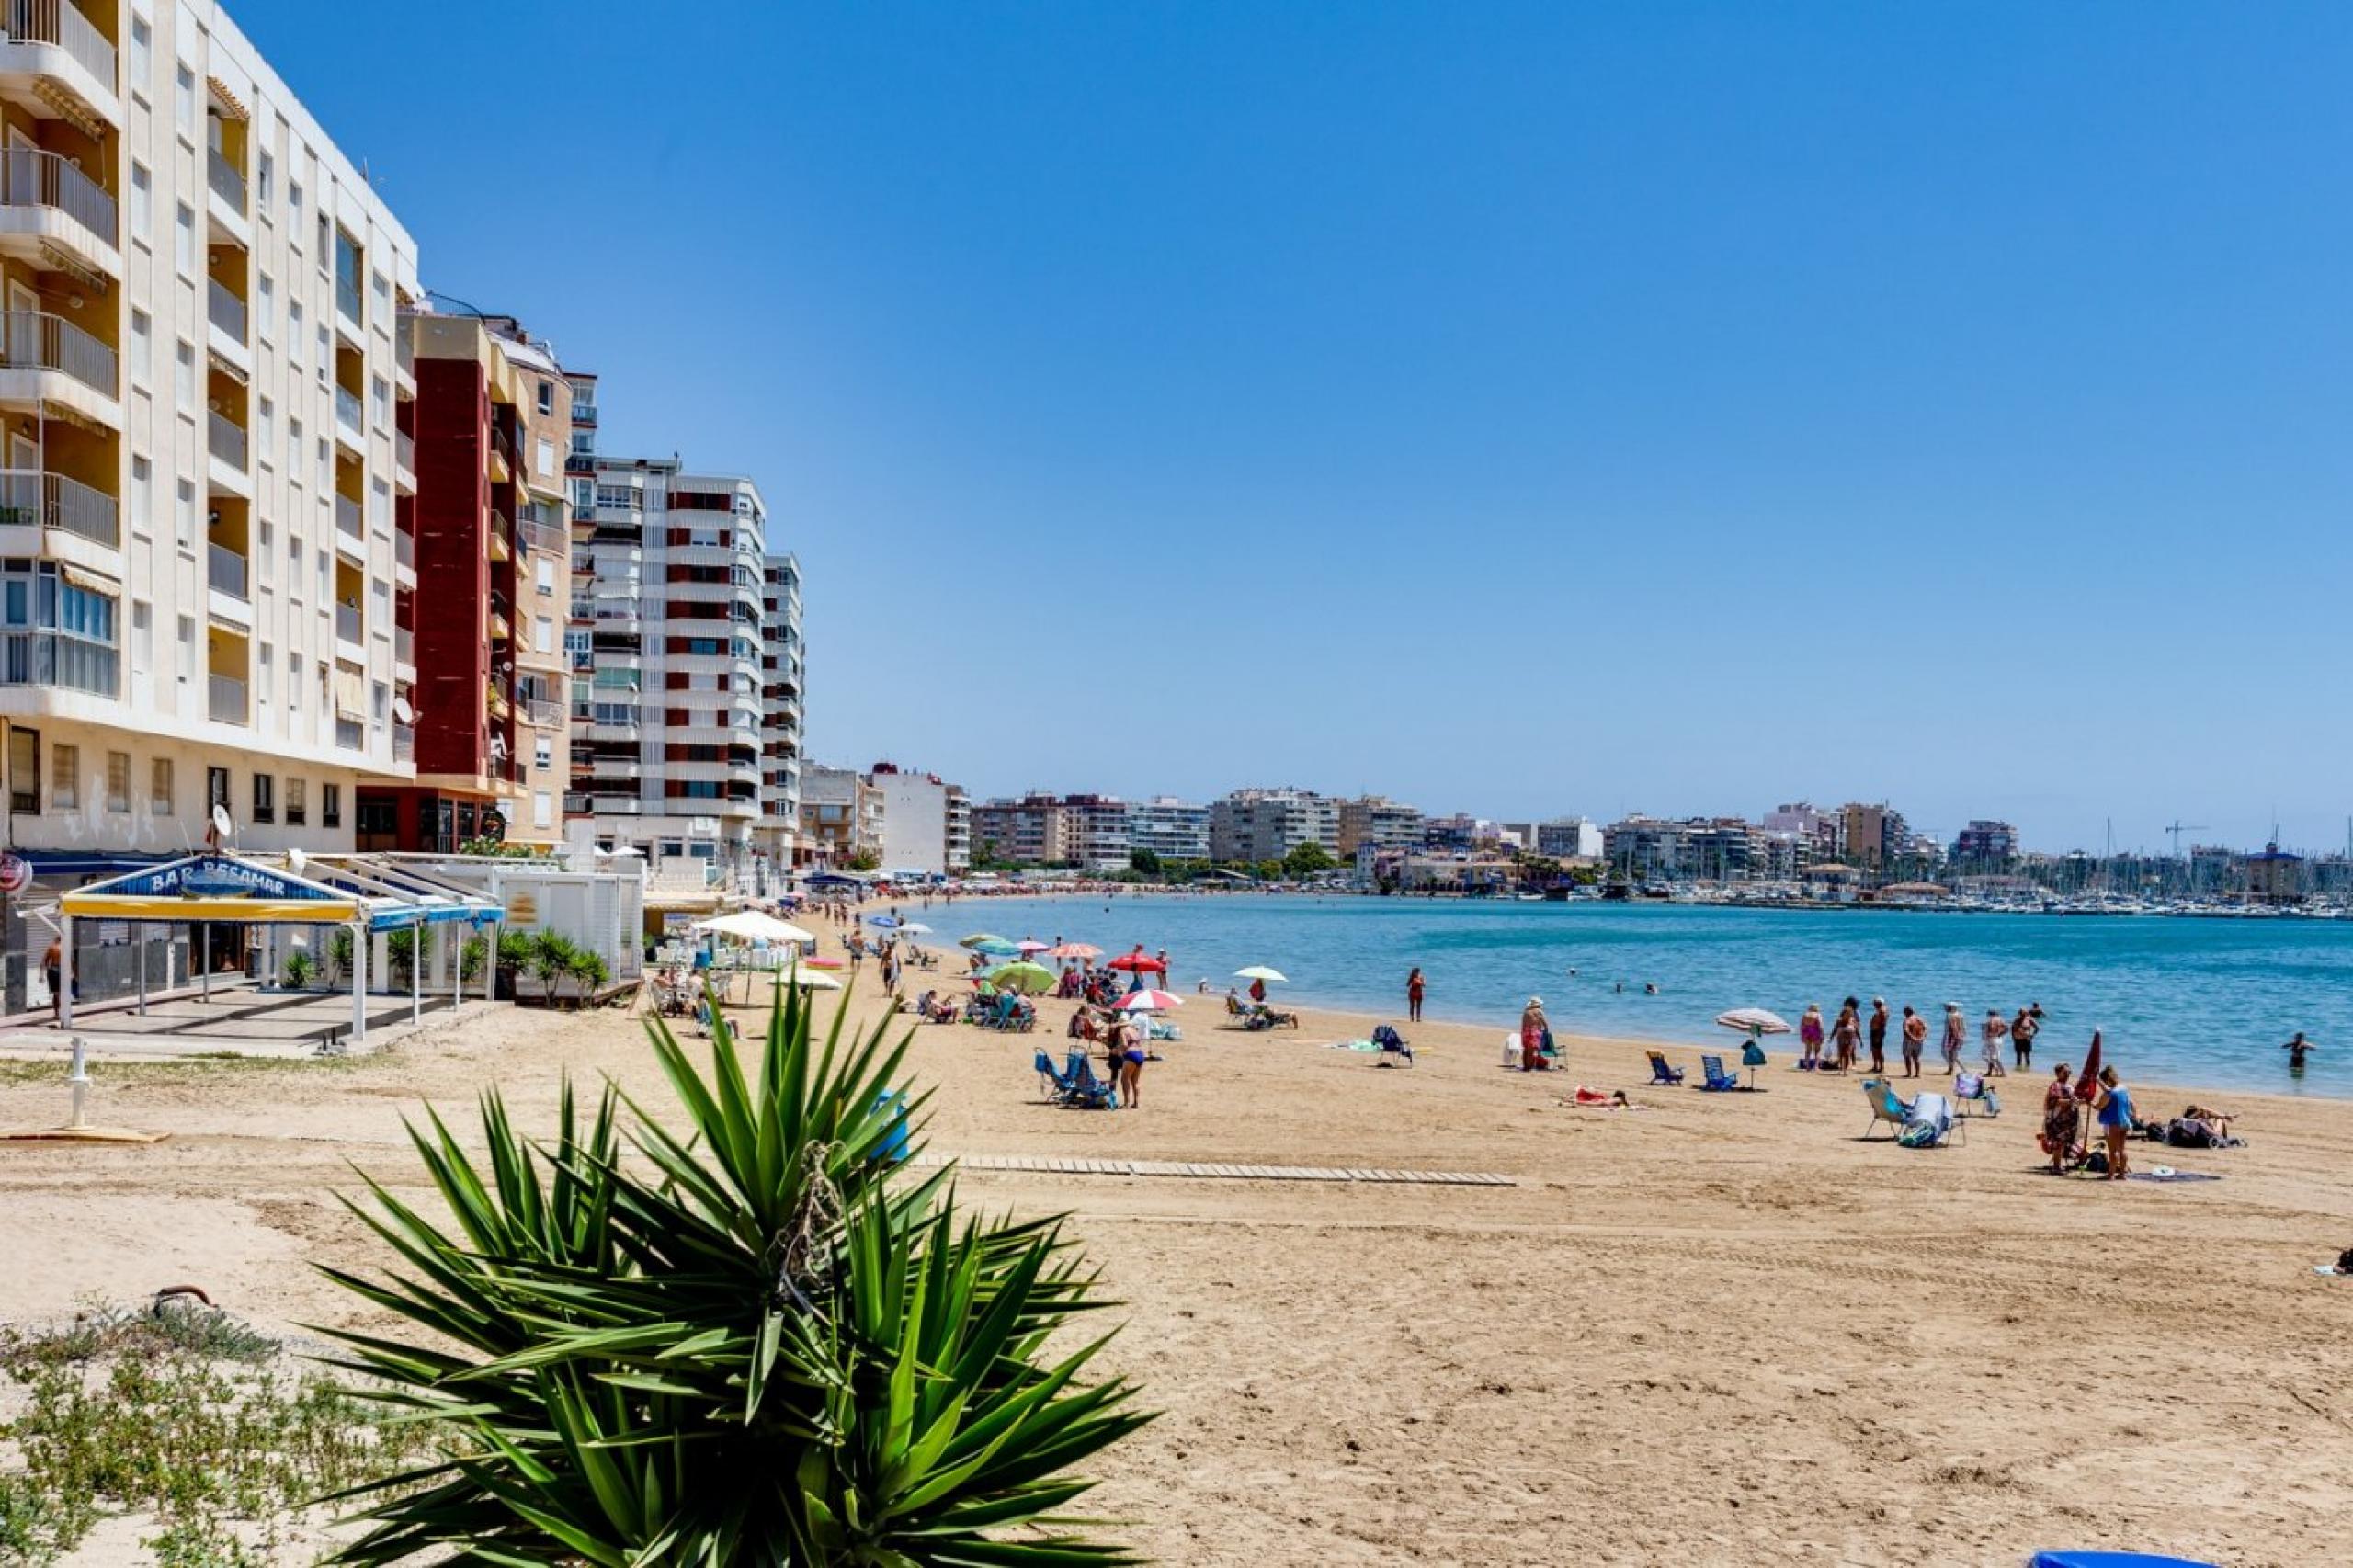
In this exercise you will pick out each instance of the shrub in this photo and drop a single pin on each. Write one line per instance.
(301, 969)
(743, 1343)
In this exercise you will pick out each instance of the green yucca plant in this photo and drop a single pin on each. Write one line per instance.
(743, 1339)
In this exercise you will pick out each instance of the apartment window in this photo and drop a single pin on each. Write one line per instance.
(297, 806)
(265, 183)
(142, 637)
(543, 809)
(381, 287)
(188, 649)
(584, 491)
(142, 204)
(184, 101)
(142, 57)
(293, 332)
(294, 683)
(216, 789)
(261, 676)
(118, 782)
(266, 448)
(159, 787)
(24, 769)
(266, 307)
(331, 805)
(543, 576)
(323, 248)
(183, 239)
(64, 765)
(186, 514)
(265, 797)
(325, 459)
(326, 353)
(380, 700)
(543, 752)
(543, 459)
(293, 441)
(323, 579)
(266, 560)
(543, 635)
(184, 375)
(143, 495)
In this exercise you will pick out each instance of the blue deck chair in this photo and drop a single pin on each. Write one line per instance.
(1886, 1105)
(1970, 1089)
(1086, 1091)
(1718, 1080)
(1661, 1074)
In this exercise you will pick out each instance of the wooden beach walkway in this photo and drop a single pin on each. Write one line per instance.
(1052, 1164)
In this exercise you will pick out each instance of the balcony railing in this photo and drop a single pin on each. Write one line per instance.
(226, 439)
(403, 744)
(351, 734)
(228, 183)
(405, 549)
(29, 496)
(583, 413)
(544, 713)
(347, 296)
(404, 352)
(348, 517)
(404, 646)
(404, 450)
(348, 412)
(35, 340)
(347, 623)
(227, 311)
(229, 706)
(31, 176)
(225, 568)
(59, 22)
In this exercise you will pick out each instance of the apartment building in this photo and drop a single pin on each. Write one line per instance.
(1875, 835)
(1569, 838)
(1169, 827)
(668, 589)
(1100, 836)
(486, 524)
(198, 377)
(1380, 822)
(1030, 830)
(781, 668)
(1268, 825)
(926, 822)
(841, 816)
(1985, 845)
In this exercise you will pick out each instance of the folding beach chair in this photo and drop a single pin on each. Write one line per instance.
(1886, 1106)
(1661, 1074)
(1086, 1091)
(1970, 1089)
(1719, 1081)
(1931, 1124)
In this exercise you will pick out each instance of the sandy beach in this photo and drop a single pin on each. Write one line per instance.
(1720, 1329)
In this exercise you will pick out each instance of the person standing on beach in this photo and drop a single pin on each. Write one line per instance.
(2062, 1120)
(1414, 996)
(1915, 1037)
(2295, 1047)
(1535, 1032)
(1131, 1055)
(1956, 1036)
(1848, 1035)
(1991, 1034)
(1809, 1036)
(1879, 1034)
(53, 970)
(2115, 1120)
(2023, 1028)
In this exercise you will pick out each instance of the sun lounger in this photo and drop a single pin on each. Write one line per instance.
(1661, 1073)
(1718, 1081)
(1930, 1123)
(1886, 1106)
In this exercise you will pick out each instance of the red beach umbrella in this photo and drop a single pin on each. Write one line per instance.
(2088, 1081)
(1139, 962)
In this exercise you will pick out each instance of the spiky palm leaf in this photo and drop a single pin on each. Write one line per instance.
(747, 1339)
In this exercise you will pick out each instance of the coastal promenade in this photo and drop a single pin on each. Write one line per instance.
(1719, 1328)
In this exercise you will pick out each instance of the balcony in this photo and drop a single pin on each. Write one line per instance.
(350, 523)
(405, 460)
(403, 360)
(50, 45)
(226, 311)
(226, 439)
(404, 646)
(226, 570)
(403, 742)
(351, 734)
(49, 208)
(350, 416)
(544, 714)
(348, 627)
(227, 182)
(45, 358)
(228, 700)
(30, 498)
(346, 301)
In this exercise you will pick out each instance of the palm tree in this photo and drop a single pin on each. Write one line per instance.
(760, 1336)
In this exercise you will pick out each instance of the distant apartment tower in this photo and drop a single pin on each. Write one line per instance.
(1875, 835)
(1986, 847)
(1033, 830)
(198, 382)
(488, 526)
(1101, 837)
(667, 630)
(1268, 825)
(1814, 833)
(781, 679)
(1569, 838)
(926, 822)
(840, 815)
(1169, 828)
(1378, 821)
(1704, 848)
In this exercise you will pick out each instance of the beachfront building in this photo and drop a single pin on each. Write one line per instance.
(1875, 836)
(1434, 872)
(1720, 849)
(1986, 848)
(1170, 828)
(2274, 877)
(1268, 825)
(926, 822)
(840, 817)
(1098, 833)
(198, 388)
(781, 668)
(481, 516)
(1030, 830)
(1817, 835)
(1380, 822)
(1578, 838)
(667, 630)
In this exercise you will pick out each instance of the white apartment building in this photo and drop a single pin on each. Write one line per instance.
(670, 570)
(926, 823)
(781, 670)
(1170, 828)
(1268, 825)
(198, 575)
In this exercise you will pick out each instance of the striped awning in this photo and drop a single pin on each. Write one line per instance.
(230, 105)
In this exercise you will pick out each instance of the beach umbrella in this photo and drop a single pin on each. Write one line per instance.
(1148, 1002)
(1029, 948)
(2088, 1081)
(1076, 950)
(1753, 1021)
(977, 938)
(1139, 962)
(915, 928)
(751, 926)
(995, 948)
(1033, 978)
(1259, 971)
(808, 982)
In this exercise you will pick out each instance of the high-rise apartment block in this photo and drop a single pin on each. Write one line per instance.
(781, 672)
(841, 817)
(198, 376)
(1268, 825)
(1380, 822)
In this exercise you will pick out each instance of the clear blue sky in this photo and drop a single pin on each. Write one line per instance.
(1514, 409)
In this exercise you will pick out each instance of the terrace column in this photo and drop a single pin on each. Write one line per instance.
(360, 981)
(65, 974)
(416, 973)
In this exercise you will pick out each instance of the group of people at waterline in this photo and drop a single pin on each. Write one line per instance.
(1836, 1048)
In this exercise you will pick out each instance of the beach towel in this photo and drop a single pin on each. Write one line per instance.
(2166, 1172)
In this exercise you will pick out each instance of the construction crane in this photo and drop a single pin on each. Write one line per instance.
(2177, 829)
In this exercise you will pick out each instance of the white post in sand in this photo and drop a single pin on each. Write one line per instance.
(204, 940)
(458, 967)
(417, 971)
(360, 981)
(65, 974)
(78, 1074)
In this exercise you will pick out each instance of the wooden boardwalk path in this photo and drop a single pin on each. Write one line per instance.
(1052, 1164)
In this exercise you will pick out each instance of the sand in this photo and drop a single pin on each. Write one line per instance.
(1720, 1329)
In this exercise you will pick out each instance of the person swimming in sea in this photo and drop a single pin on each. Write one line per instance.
(2296, 1049)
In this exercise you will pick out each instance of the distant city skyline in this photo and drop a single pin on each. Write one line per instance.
(1638, 407)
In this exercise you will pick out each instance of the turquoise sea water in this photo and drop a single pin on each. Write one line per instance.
(2182, 1001)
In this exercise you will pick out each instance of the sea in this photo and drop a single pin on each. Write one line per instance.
(2184, 1001)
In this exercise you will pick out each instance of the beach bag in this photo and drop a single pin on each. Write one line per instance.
(2183, 1132)
(2345, 1261)
(1918, 1135)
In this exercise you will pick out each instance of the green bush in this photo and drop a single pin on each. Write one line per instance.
(746, 1342)
(400, 957)
(471, 956)
(338, 955)
(301, 969)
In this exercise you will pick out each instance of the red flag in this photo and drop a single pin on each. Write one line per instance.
(2088, 1084)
